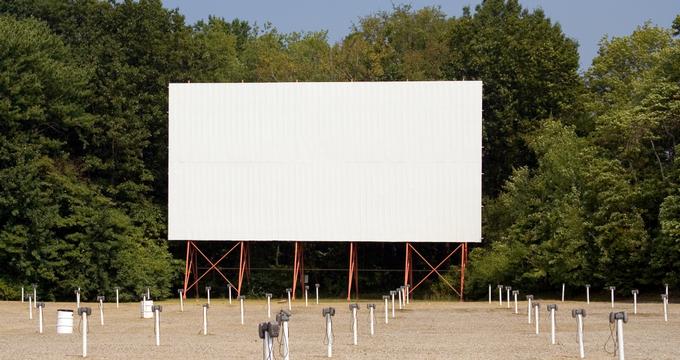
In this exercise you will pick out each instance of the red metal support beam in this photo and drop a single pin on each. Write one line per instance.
(194, 269)
(191, 267)
(433, 269)
(244, 266)
(463, 264)
(353, 272)
(298, 267)
(213, 265)
(408, 266)
(187, 269)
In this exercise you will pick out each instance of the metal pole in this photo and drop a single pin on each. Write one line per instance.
(552, 308)
(242, 298)
(306, 291)
(289, 305)
(22, 294)
(588, 293)
(329, 334)
(317, 293)
(157, 327)
(267, 347)
(635, 294)
(408, 293)
(84, 312)
(286, 347)
(507, 295)
(78, 298)
(399, 293)
(552, 326)
(385, 297)
(666, 285)
(620, 318)
(562, 292)
(181, 300)
(282, 319)
(619, 336)
(489, 293)
(229, 286)
(500, 295)
(270, 342)
(205, 319)
(514, 294)
(392, 293)
(371, 308)
(41, 306)
(207, 290)
(664, 297)
(101, 309)
(354, 308)
(117, 306)
(612, 288)
(157, 323)
(581, 348)
(269, 305)
(537, 311)
(84, 331)
(529, 298)
(30, 307)
(148, 293)
(35, 294)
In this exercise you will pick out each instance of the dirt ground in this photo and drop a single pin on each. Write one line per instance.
(424, 330)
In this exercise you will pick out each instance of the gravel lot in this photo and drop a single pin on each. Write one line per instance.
(424, 330)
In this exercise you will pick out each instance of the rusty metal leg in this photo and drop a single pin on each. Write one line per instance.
(187, 269)
(242, 266)
(213, 265)
(463, 263)
(191, 266)
(301, 268)
(298, 268)
(194, 263)
(353, 272)
(408, 264)
(295, 269)
(435, 269)
(356, 272)
(247, 272)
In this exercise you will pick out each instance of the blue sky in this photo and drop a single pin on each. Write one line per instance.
(586, 21)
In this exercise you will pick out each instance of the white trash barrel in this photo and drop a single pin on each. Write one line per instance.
(64, 321)
(146, 309)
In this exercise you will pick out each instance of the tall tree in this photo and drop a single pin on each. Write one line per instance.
(218, 45)
(634, 98)
(58, 230)
(529, 69)
(402, 44)
(573, 219)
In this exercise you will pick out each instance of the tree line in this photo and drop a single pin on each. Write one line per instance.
(581, 177)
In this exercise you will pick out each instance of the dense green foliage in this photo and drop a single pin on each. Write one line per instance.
(581, 184)
(602, 206)
(60, 226)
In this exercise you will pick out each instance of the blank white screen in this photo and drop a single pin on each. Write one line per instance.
(359, 161)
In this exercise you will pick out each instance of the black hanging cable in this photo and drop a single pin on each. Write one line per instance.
(613, 339)
(281, 340)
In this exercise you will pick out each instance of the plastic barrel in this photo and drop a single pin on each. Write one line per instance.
(64, 321)
(146, 309)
